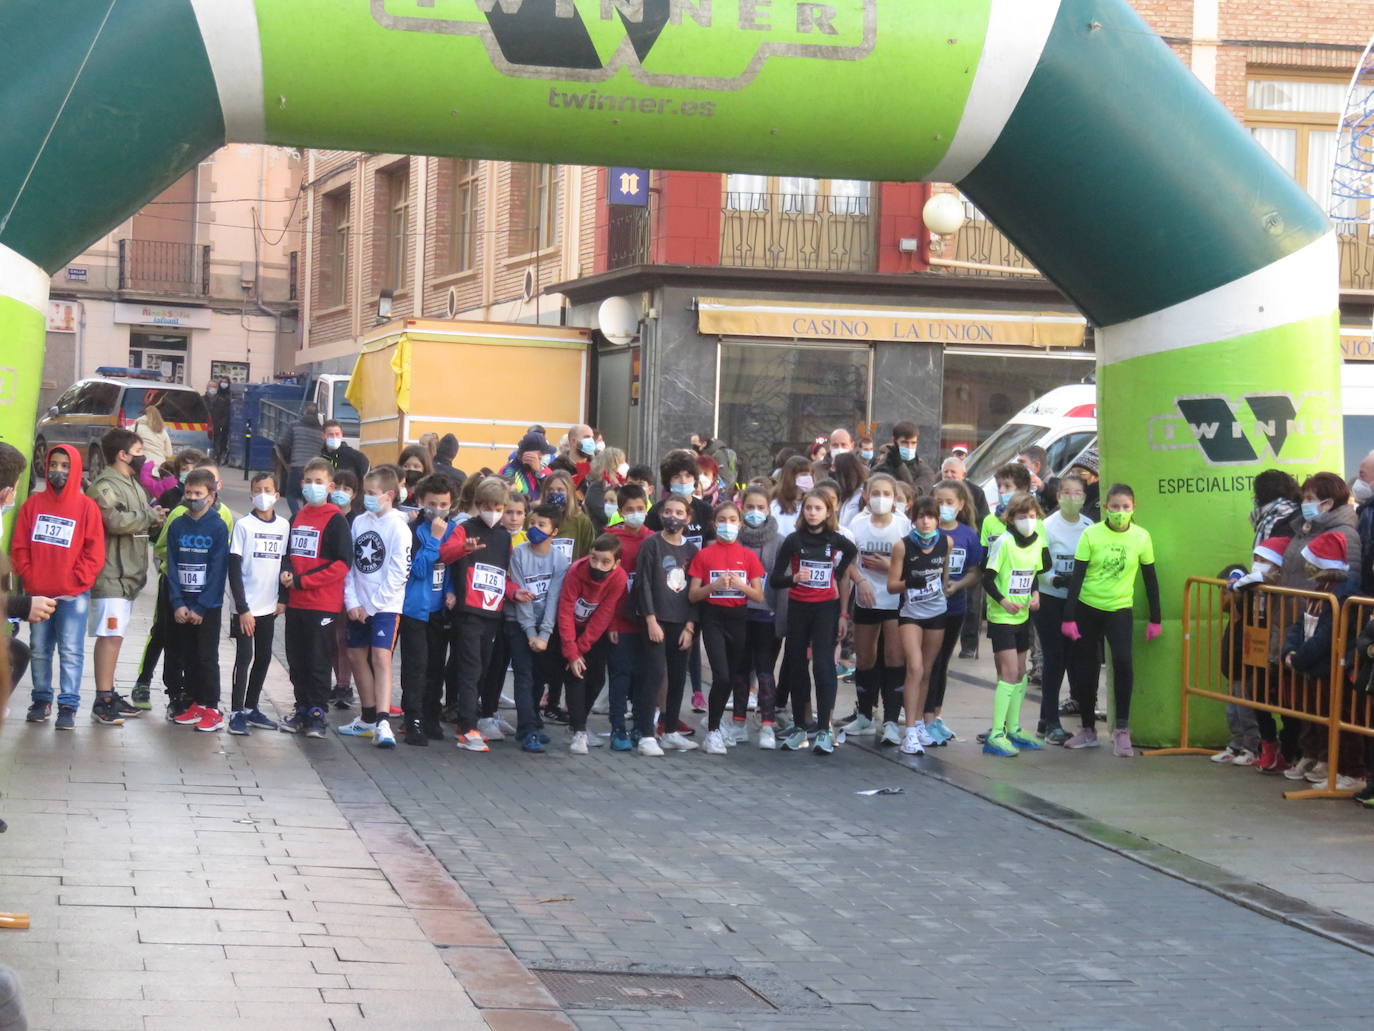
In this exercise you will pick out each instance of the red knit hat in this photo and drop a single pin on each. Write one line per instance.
(1327, 551)
(1272, 550)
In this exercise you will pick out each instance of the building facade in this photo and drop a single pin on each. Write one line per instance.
(199, 284)
(773, 308)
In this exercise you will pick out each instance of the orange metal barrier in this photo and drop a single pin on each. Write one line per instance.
(1232, 642)
(1355, 714)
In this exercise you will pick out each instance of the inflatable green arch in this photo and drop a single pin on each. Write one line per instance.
(1210, 274)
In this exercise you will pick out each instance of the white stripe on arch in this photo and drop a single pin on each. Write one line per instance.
(1017, 33)
(22, 280)
(229, 29)
(1301, 286)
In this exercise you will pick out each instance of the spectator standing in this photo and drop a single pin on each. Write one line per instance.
(303, 441)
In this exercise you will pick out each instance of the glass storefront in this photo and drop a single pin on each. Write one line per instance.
(776, 395)
(983, 389)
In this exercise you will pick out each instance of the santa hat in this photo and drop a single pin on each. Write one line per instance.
(1272, 550)
(1327, 551)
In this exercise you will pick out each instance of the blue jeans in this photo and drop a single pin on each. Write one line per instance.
(66, 630)
(626, 661)
(534, 672)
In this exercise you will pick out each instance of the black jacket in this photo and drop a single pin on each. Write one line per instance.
(347, 458)
(921, 476)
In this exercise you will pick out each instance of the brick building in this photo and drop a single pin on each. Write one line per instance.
(759, 293)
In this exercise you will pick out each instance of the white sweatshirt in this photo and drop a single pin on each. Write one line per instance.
(381, 563)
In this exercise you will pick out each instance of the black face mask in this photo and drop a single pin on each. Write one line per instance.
(136, 463)
(413, 477)
(598, 575)
(58, 479)
(673, 524)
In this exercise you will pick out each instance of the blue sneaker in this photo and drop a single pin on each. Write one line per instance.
(795, 741)
(1000, 744)
(532, 743)
(544, 739)
(1023, 741)
(939, 731)
(315, 724)
(294, 723)
(620, 741)
(825, 742)
(258, 721)
(66, 718)
(238, 723)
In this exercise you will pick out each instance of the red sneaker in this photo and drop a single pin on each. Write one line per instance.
(682, 728)
(191, 716)
(1271, 759)
(210, 720)
(393, 711)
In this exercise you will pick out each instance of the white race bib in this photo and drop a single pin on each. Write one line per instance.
(693, 540)
(538, 585)
(1021, 581)
(491, 579)
(583, 610)
(51, 529)
(267, 545)
(816, 575)
(192, 576)
(437, 575)
(564, 546)
(957, 558)
(716, 573)
(305, 541)
(1064, 564)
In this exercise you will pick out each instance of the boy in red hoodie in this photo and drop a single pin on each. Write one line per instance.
(319, 553)
(626, 656)
(593, 589)
(58, 550)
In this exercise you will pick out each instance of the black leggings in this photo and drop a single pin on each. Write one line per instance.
(939, 666)
(157, 636)
(666, 659)
(723, 633)
(1115, 628)
(252, 655)
(814, 625)
(760, 658)
(582, 691)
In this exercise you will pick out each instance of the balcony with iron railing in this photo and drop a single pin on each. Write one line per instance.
(164, 267)
(630, 236)
(799, 231)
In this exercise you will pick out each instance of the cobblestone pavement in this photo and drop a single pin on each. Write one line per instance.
(932, 907)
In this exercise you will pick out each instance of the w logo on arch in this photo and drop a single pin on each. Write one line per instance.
(1248, 429)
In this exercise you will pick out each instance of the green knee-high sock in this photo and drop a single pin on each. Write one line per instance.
(1014, 709)
(1001, 705)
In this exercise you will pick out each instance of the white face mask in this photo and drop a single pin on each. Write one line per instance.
(1362, 491)
(623, 469)
(880, 505)
(490, 517)
(333, 443)
(264, 502)
(1025, 526)
(839, 449)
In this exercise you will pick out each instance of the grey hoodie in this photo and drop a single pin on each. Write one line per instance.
(543, 575)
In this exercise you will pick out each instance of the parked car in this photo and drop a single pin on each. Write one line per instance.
(91, 407)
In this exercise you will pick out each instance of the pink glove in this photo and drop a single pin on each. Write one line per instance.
(1152, 631)
(1070, 630)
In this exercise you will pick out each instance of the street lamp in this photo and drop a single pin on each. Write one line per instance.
(943, 215)
(384, 305)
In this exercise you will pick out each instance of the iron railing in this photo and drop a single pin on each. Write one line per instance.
(1357, 255)
(630, 236)
(799, 231)
(163, 267)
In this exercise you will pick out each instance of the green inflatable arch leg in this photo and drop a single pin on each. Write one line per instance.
(1209, 272)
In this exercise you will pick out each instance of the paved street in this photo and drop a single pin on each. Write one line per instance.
(846, 911)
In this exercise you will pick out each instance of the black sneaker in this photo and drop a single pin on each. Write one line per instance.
(316, 725)
(968, 653)
(556, 715)
(126, 708)
(434, 730)
(415, 734)
(39, 712)
(104, 711)
(1068, 707)
(341, 697)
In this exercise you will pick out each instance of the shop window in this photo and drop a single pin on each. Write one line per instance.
(774, 396)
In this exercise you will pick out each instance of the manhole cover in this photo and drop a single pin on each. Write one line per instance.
(578, 989)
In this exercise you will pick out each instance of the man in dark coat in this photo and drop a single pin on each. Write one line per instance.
(903, 463)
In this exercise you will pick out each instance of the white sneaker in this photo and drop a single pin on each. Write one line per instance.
(767, 739)
(1344, 783)
(911, 744)
(1245, 757)
(490, 729)
(739, 732)
(595, 740)
(649, 746)
(1300, 769)
(507, 702)
(715, 743)
(858, 726)
(753, 700)
(923, 736)
(357, 728)
(678, 743)
(892, 734)
(1317, 774)
(505, 727)
(1226, 756)
(382, 736)
(579, 743)
(602, 706)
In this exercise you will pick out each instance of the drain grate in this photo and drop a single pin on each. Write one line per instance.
(585, 989)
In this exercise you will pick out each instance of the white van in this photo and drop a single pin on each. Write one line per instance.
(1063, 422)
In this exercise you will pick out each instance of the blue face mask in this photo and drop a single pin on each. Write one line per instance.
(557, 499)
(866, 454)
(372, 503)
(948, 514)
(341, 499)
(727, 532)
(908, 454)
(314, 493)
(1004, 496)
(756, 518)
(1311, 509)
(926, 539)
(682, 490)
(588, 445)
(536, 535)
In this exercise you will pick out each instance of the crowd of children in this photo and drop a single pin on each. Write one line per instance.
(477, 577)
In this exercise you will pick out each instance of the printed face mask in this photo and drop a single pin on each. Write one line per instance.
(1070, 506)
(58, 479)
(674, 524)
(1120, 520)
(880, 505)
(756, 518)
(558, 499)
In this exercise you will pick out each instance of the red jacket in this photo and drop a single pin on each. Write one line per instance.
(626, 620)
(585, 607)
(319, 553)
(59, 540)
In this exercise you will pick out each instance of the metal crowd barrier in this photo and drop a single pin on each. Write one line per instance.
(1232, 642)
